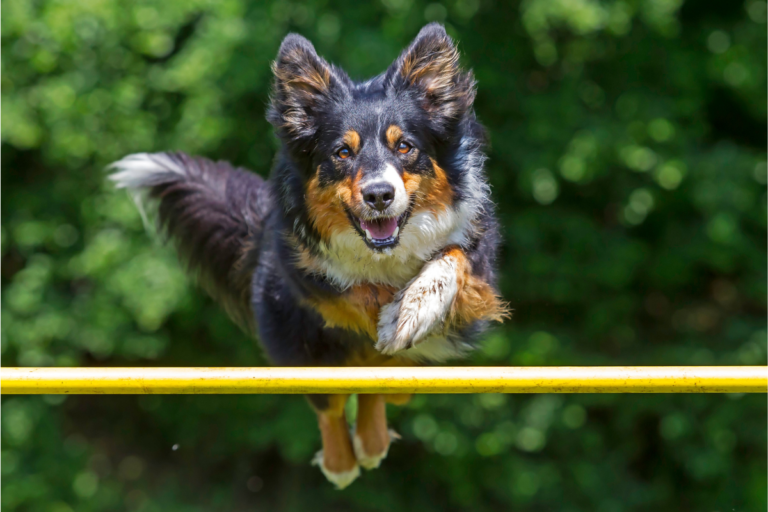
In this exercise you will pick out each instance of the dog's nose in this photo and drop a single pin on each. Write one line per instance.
(379, 195)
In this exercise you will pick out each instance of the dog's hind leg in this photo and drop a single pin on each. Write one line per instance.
(397, 398)
(337, 459)
(372, 438)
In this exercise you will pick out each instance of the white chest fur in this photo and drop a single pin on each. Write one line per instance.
(348, 260)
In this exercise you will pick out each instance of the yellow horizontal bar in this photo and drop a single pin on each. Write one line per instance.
(639, 379)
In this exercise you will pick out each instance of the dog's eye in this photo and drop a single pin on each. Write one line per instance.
(403, 147)
(343, 153)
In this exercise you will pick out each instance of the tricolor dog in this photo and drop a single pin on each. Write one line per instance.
(372, 242)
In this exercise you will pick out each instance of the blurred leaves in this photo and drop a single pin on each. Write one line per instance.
(628, 162)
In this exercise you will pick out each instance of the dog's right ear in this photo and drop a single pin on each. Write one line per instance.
(303, 84)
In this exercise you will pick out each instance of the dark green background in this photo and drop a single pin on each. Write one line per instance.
(628, 163)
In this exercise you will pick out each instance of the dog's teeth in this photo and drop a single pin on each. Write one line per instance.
(368, 235)
(397, 230)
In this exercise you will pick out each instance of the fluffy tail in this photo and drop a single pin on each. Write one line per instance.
(213, 212)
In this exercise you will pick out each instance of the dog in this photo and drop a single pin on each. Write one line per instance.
(374, 240)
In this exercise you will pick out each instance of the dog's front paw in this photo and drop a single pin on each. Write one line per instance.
(420, 309)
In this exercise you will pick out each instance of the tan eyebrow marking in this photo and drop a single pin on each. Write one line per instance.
(352, 139)
(393, 135)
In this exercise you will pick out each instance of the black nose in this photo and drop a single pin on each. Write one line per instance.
(379, 195)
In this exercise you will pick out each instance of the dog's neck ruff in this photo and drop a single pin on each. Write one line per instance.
(346, 260)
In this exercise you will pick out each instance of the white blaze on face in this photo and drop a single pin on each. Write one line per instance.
(392, 177)
(349, 261)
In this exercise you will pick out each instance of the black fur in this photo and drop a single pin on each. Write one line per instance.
(239, 232)
(215, 214)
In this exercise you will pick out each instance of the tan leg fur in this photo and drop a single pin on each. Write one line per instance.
(337, 458)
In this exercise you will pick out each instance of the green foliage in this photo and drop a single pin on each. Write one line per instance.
(628, 161)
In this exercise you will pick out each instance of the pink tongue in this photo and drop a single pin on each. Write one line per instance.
(380, 229)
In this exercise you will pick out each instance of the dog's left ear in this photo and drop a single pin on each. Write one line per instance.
(430, 68)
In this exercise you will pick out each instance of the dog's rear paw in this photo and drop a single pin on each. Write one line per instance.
(340, 479)
(420, 309)
(367, 461)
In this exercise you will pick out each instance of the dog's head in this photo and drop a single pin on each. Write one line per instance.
(374, 154)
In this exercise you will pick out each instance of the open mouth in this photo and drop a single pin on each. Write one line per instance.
(381, 233)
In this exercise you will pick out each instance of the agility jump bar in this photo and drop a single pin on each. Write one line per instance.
(194, 381)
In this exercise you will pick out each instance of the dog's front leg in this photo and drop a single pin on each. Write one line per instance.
(421, 308)
(443, 295)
